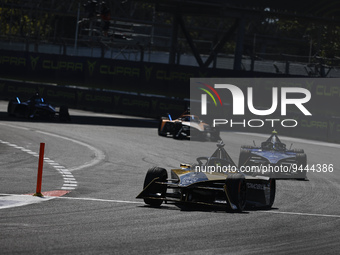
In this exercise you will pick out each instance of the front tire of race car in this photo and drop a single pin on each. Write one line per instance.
(244, 157)
(160, 129)
(236, 191)
(215, 135)
(301, 161)
(156, 190)
(177, 130)
(10, 108)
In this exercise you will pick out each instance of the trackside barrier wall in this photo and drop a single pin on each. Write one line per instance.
(311, 127)
(156, 78)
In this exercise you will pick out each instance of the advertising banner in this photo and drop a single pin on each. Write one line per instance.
(105, 73)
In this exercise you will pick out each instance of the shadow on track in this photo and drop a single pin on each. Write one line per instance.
(203, 208)
(91, 120)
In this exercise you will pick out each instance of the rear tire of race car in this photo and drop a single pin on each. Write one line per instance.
(272, 184)
(298, 150)
(248, 147)
(237, 190)
(160, 190)
(215, 135)
(244, 156)
(301, 161)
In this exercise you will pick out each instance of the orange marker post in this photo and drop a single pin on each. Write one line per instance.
(40, 170)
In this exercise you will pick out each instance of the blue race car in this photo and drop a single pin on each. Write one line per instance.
(36, 108)
(273, 159)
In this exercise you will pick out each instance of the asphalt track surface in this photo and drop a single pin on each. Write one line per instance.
(101, 160)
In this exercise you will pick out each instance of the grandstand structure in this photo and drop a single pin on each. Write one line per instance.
(207, 34)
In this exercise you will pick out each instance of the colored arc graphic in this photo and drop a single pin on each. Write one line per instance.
(209, 95)
(213, 90)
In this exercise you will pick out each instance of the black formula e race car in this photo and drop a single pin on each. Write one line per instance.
(187, 126)
(273, 159)
(213, 181)
(36, 108)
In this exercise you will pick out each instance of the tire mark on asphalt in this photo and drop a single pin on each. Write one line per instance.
(69, 182)
(98, 154)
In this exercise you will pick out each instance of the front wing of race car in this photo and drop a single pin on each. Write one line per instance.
(234, 191)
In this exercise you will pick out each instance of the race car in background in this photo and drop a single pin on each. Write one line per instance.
(274, 159)
(187, 126)
(213, 181)
(36, 108)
